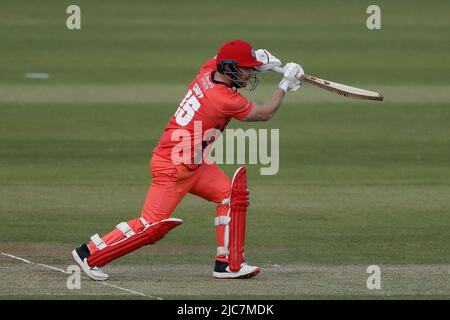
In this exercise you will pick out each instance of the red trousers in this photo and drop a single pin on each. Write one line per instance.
(170, 183)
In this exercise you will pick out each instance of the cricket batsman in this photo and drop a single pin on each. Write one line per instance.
(212, 99)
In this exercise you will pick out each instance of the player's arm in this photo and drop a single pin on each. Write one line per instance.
(289, 82)
(264, 112)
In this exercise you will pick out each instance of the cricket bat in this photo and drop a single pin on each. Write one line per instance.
(337, 88)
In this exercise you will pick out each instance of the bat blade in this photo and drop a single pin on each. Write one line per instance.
(342, 89)
(338, 88)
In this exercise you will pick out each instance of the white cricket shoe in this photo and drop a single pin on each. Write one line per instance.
(222, 271)
(80, 254)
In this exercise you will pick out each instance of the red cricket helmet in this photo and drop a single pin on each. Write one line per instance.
(237, 52)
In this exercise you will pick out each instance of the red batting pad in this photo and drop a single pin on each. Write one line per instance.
(150, 235)
(239, 201)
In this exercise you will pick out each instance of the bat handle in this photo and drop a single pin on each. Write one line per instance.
(281, 70)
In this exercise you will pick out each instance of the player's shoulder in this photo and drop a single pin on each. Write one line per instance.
(208, 66)
(217, 92)
(223, 93)
(212, 87)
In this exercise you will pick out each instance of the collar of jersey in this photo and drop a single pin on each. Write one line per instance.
(218, 82)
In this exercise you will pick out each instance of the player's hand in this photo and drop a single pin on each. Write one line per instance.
(290, 81)
(269, 60)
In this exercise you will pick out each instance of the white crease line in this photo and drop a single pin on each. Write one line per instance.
(14, 257)
(50, 267)
(131, 291)
(65, 272)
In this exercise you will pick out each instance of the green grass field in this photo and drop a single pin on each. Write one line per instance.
(360, 183)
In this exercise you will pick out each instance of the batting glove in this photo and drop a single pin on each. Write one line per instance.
(269, 60)
(290, 81)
